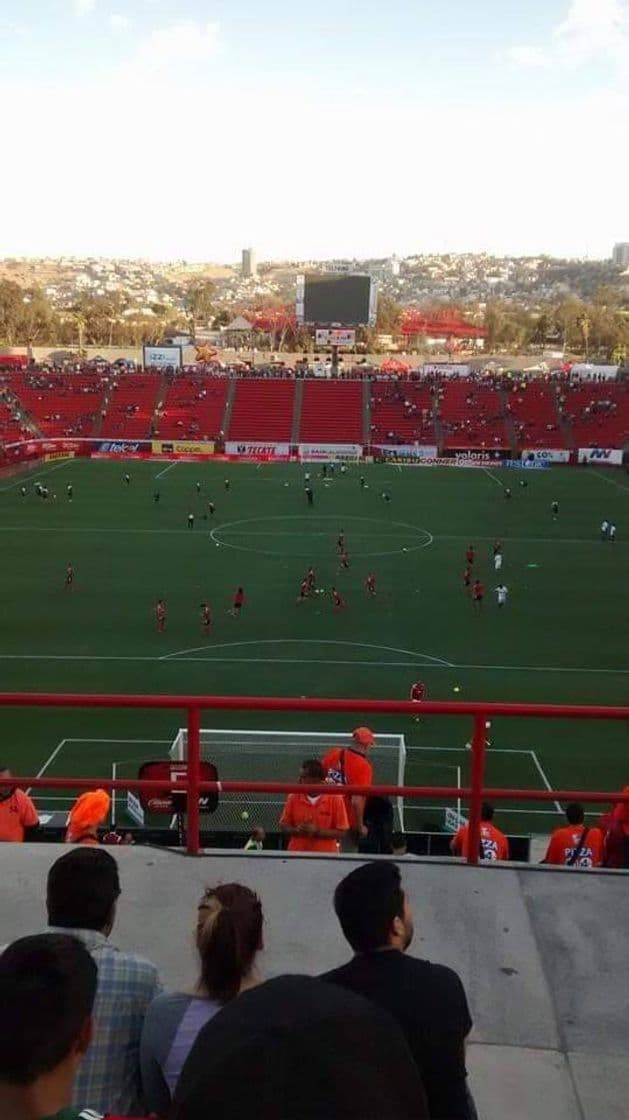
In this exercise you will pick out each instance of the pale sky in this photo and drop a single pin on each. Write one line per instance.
(191, 128)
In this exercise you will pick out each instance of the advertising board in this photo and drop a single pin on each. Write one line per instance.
(446, 369)
(335, 337)
(121, 447)
(162, 356)
(318, 452)
(604, 456)
(52, 455)
(391, 453)
(182, 447)
(257, 449)
(546, 455)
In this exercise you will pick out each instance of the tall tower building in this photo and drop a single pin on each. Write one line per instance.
(249, 264)
(620, 255)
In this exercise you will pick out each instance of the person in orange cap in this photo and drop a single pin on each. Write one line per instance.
(89, 811)
(349, 766)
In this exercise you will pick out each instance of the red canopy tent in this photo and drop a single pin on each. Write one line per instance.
(394, 365)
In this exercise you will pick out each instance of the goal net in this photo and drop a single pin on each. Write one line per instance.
(275, 756)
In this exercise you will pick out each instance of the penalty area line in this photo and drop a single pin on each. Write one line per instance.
(542, 774)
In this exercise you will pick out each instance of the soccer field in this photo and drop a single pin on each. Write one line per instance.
(562, 636)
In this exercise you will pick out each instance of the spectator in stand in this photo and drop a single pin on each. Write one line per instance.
(616, 824)
(576, 845)
(228, 938)
(82, 894)
(350, 766)
(493, 843)
(295, 1047)
(314, 822)
(18, 815)
(86, 816)
(427, 999)
(47, 989)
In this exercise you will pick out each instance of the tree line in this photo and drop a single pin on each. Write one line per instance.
(596, 328)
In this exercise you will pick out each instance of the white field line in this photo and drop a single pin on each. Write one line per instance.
(51, 758)
(311, 642)
(177, 659)
(37, 474)
(612, 481)
(542, 775)
(167, 469)
(492, 477)
(74, 529)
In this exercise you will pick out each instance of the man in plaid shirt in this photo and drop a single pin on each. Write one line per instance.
(82, 892)
(47, 989)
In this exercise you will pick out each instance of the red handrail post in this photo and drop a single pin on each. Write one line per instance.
(194, 778)
(476, 784)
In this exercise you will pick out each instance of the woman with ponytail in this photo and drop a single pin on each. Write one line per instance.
(228, 939)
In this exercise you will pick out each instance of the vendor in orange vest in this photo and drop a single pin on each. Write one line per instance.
(350, 766)
(314, 822)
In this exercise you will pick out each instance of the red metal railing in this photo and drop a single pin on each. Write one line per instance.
(475, 793)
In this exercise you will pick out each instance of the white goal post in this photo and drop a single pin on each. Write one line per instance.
(275, 756)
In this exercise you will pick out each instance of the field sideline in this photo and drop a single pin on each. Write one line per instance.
(561, 637)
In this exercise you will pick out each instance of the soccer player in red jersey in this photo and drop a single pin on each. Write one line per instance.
(239, 599)
(206, 618)
(311, 577)
(344, 559)
(469, 556)
(467, 579)
(417, 694)
(370, 584)
(160, 615)
(339, 602)
(69, 577)
(478, 592)
(304, 590)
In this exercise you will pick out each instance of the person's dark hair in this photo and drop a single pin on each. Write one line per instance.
(366, 901)
(575, 813)
(47, 990)
(229, 934)
(313, 769)
(83, 886)
(486, 811)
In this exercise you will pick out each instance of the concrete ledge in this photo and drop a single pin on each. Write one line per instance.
(543, 955)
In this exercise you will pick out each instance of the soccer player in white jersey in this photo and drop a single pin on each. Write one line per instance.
(604, 529)
(497, 561)
(501, 592)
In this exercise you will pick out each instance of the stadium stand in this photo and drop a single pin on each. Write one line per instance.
(332, 412)
(193, 407)
(597, 413)
(60, 405)
(472, 415)
(401, 413)
(535, 416)
(131, 406)
(11, 430)
(262, 409)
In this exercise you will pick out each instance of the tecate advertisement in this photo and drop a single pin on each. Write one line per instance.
(545, 455)
(257, 449)
(605, 456)
(325, 451)
(162, 356)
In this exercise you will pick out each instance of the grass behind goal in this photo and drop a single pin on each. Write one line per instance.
(276, 756)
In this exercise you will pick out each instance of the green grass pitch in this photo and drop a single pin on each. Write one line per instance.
(561, 638)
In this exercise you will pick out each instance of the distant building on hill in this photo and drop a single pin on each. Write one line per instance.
(620, 254)
(249, 264)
